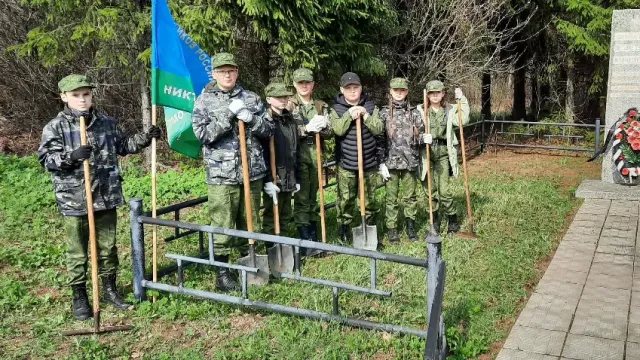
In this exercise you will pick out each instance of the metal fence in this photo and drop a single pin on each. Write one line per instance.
(500, 129)
(435, 345)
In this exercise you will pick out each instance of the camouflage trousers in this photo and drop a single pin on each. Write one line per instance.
(306, 200)
(227, 210)
(284, 212)
(440, 187)
(347, 191)
(401, 185)
(77, 238)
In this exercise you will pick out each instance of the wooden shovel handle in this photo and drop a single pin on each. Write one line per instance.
(320, 187)
(272, 162)
(427, 130)
(360, 164)
(245, 177)
(92, 227)
(464, 166)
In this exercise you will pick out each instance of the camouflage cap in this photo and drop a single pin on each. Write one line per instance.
(434, 85)
(223, 58)
(277, 89)
(399, 83)
(74, 81)
(302, 74)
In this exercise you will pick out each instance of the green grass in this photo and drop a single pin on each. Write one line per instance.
(518, 218)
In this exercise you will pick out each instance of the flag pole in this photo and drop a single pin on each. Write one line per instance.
(154, 115)
(153, 197)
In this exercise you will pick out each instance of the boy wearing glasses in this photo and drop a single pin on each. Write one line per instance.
(216, 113)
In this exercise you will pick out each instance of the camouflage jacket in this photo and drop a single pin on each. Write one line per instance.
(307, 140)
(61, 136)
(402, 126)
(217, 129)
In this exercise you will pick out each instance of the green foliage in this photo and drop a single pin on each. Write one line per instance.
(329, 35)
(111, 33)
(585, 26)
(630, 156)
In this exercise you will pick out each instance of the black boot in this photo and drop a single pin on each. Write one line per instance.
(311, 230)
(302, 232)
(453, 226)
(371, 220)
(110, 293)
(225, 279)
(411, 231)
(392, 235)
(343, 232)
(80, 304)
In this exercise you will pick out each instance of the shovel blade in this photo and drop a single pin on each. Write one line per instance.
(281, 260)
(365, 237)
(262, 263)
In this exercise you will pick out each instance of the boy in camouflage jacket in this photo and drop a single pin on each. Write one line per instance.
(403, 125)
(216, 113)
(62, 155)
(315, 114)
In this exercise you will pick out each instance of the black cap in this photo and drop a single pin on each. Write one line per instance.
(349, 78)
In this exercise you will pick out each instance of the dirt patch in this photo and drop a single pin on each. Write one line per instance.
(566, 169)
(246, 323)
(390, 280)
(54, 293)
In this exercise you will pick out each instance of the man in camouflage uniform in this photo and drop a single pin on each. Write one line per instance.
(348, 106)
(61, 153)
(403, 124)
(314, 115)
(286, 143)
(216, 113)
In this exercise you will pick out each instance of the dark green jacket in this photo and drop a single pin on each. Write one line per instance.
(287, 149)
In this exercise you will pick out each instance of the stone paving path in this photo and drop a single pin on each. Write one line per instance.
(587, 305)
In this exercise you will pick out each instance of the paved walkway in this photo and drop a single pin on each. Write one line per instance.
(587, 305)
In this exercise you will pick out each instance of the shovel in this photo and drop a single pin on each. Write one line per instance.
(465, 234)
(94, 254)
(281, 258)
(364, 236)
(432, 237)
(258, 261)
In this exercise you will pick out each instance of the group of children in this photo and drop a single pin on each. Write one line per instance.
(393, 141)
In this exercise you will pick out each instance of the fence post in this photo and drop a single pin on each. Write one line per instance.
(435, 346)
(597, 146)
(482, 136)
(137, 248)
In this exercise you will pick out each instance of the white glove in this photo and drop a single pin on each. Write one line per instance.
(427, 139)
(245, 115)
(317, 123)
(297, 189)
(236, 105)
(458, 93)
(384, 172)
(272, 190)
